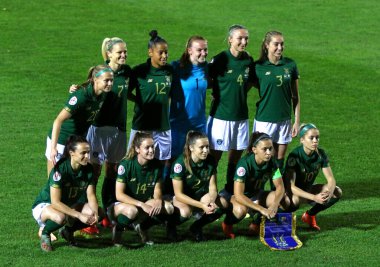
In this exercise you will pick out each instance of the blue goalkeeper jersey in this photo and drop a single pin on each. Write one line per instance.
(188, 96)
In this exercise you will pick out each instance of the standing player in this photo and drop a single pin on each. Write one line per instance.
(194, 182)
(231, 73)
(61, 198)
(302, 167)
(188, 96)
(107, 135)
(79, 112)
(138, 190)
(278, 90)
(152, 81)
(253, 171)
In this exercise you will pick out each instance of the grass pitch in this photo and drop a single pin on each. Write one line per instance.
(48, 45)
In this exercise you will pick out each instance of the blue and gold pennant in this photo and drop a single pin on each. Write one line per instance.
(280, 233)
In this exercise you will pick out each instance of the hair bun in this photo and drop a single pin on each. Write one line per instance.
(153, 34)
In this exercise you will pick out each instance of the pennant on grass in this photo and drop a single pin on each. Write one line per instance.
(280, 233)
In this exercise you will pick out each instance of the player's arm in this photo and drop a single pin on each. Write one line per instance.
(62, 116)
(156, 202)
(181, 197)
(296, 107)
(239, 187)
(213, 189)
(132, 85)
(124, 198)
(56, 203)
(92, 201)
(291, 175)
(278, 194)
(331, 183)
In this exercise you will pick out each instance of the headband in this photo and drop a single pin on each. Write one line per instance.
(261, 137)
(103, 71)
(306, 128)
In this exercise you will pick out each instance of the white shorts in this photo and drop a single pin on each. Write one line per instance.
(37, 211)
(162, 143)
(107, 144)
(60, 150)
(280, 132)
(226, 135)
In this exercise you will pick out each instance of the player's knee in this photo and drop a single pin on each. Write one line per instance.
(338, 192)
(240, 212)
(131, 212)
(59, 218)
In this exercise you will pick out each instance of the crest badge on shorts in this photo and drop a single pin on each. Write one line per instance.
(280, 233)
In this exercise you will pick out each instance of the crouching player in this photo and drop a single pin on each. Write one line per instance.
(138, 191)
(302, 167)
(252, 172)
(61, 202)
(195, 189)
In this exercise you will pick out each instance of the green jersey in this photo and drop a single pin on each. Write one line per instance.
(152, 97)
(139, 181)
(73, 185)
(230, 77)
(114, 109)
(253, 175)
(83, 105)
(195, 185)
(275, 83)
(306, 167)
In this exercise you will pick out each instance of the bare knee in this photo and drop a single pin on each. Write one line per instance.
(58, 218)
(239, 211)
(338, 192)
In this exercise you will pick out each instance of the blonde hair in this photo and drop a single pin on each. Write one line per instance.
(108, 44)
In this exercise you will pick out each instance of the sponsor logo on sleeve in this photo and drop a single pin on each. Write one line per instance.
(73, 101)
(57, 176)
(240, 171)
(177, 168)
(121, 170)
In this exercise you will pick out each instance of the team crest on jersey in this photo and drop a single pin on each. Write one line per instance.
(219, 141)
(150, 80)
(267, 73)
(246, 74)
(292, 162)
(121, 170)
(229, 71)
(177, 168)
(73, 101)
(240, 171)
(286, 73)
(57, 176)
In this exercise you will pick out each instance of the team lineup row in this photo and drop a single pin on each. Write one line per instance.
(133, 195)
